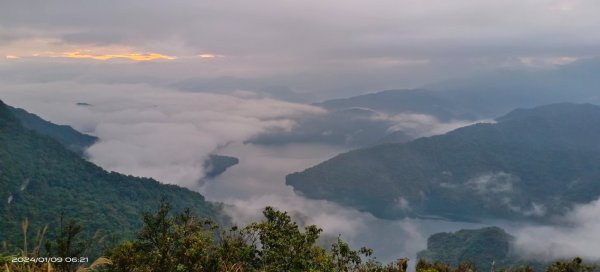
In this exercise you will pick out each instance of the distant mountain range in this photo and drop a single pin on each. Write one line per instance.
(369, 119)
(42, 181)
(531, 164)
(486, 95)
(496, 92)
(353, 127)
(435, 103)
(480, 97)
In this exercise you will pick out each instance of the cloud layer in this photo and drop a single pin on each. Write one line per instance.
(258, 181)
(155, 132)
(168, 134)
(575, 234)
(423, 125)
(348, 47)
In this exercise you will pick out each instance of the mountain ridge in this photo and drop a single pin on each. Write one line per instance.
(512, 169)
(43, 181)
(66, 135)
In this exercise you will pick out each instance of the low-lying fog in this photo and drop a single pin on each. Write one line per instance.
(167, 135)
(259, 181)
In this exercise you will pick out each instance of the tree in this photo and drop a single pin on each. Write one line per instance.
(285, 248)
(68, 244)
(576, 265)
(173, 243)
(167, 243)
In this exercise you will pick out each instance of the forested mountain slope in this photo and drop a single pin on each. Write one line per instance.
(480, 246)
(66, 135)
(42, 180)
(531, 164)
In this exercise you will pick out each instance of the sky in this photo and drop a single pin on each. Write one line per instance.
(296, 50)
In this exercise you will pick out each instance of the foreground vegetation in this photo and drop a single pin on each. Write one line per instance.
(183, 242)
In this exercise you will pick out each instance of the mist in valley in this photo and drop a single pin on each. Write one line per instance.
(165, 135)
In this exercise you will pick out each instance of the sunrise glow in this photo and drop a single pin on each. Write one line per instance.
(208, 56)
(130, 56)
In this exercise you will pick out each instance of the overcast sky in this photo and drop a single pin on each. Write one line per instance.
(322, 47)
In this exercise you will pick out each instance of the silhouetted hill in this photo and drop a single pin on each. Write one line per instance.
(218, 164)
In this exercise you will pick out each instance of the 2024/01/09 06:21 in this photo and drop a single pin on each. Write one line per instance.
(49, 259)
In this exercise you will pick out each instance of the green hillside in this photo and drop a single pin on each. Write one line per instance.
(531, 164)
(78, 142)
(480, 246)
(42, 180)
(66, 135)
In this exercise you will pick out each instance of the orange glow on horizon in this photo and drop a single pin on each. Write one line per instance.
(130, 56)
(208, 56)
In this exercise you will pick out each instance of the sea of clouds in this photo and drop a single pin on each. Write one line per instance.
(167, 134)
